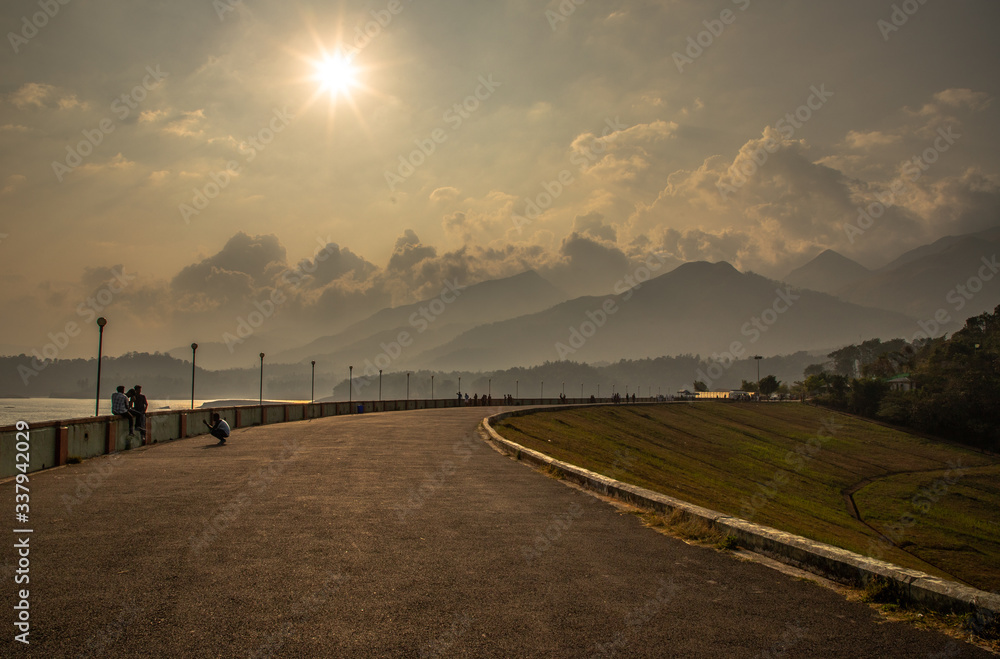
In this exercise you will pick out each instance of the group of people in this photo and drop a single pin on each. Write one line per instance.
(617, 399)
(131, 405)
(476, 399)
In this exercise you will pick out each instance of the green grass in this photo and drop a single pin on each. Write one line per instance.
(754, 461)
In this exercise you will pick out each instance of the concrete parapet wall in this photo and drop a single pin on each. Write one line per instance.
(829, 561)
(55, 442)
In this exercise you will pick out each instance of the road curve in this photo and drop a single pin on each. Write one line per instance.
(392, 535)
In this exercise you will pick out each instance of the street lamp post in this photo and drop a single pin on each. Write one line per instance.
(101, 322)
(260, 400)
(541, 391)
(581, 391)
(194, 351)
(432, 387)
(312, 386)
(516, 392)
(350, 387)
(380, 385)
(757, 358)
(489, 388)
(407, 386)
(460, 387)
(564, 389)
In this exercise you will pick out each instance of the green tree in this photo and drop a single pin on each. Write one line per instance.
(700, 386)
(748, 386)
(769, 385)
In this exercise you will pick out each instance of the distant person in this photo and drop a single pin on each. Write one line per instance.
(120, 407)
(218, 428)
(139, 407)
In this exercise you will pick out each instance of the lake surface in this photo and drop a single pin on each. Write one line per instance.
(36, 410)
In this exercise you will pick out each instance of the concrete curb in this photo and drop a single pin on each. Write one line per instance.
(826, 560)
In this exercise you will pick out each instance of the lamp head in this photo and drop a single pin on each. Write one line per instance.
(102, 321)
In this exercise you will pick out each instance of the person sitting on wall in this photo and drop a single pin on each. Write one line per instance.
(120, 407)
(139, 406)
(218, 428)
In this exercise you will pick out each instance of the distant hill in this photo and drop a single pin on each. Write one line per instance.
(925, 280)
(434, 321)
(698, 308)
(827, 273)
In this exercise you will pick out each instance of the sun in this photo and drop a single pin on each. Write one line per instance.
(336, 74)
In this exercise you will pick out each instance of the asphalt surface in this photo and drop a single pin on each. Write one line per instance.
(392, 535)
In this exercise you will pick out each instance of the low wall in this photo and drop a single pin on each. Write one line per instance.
(833, 562)
(53, 443)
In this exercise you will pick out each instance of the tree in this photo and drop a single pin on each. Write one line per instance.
(700, 386)
(769, 385)
(748, 386)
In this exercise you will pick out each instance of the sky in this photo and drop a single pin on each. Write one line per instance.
(176, 165)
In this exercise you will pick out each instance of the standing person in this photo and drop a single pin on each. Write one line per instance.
(139, 407)
(120, 407)
(218, 428)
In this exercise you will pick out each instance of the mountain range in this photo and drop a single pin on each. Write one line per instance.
(697, 308)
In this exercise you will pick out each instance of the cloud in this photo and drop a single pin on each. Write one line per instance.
(409, 252)
(963, 98)
(245, 264)
(35, 95)
(859, 140)
(12, 184)
(447, 193)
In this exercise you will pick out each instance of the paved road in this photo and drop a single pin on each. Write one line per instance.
(393, 535)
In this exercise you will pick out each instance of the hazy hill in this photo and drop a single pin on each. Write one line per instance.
(698, 308)
(827, 273)
(924, 280)
(434, 321)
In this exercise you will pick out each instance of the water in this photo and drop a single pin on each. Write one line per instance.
(36, 410)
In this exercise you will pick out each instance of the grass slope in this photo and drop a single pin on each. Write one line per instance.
(788, 466)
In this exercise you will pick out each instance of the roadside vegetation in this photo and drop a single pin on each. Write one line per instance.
(917, 502)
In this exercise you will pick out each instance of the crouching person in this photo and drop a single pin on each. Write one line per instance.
(219, 428)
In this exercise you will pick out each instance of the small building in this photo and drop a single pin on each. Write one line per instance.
(735, 394)
(901, 382)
